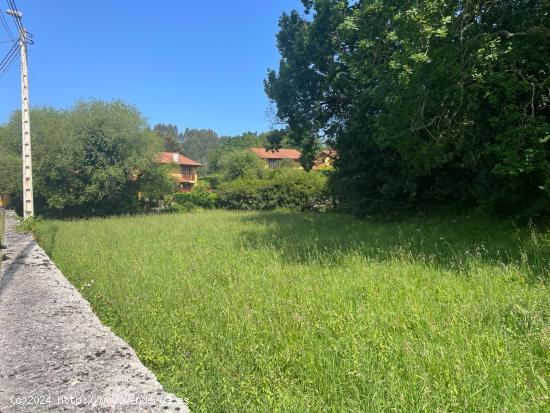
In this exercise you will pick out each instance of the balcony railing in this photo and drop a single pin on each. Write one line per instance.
(185, 177)
(189, 177)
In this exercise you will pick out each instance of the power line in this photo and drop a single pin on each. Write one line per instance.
(8, 62)
(6, 25)
(16, 14)
(6, 66)
(13, 51)
(7, 74)
(18, 23)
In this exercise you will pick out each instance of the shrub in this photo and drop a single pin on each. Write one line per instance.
(183, 207)
(246, 194)
(287, 188)
(29, 225)
(212, 181)
(241, 164)
(199, 196)
(287, 163)
(300, 190)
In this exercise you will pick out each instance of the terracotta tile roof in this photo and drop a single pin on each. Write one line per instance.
(325, 156)
(179, 159)
(280, 154)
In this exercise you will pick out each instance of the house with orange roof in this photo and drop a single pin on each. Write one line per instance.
(325, 159)
(185, 169)
(273, 157)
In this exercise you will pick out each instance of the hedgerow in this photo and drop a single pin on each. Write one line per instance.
(286, 188)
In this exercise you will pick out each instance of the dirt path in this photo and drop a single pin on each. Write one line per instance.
(55, 355)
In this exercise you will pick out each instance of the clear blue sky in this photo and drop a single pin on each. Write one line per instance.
(194, 64)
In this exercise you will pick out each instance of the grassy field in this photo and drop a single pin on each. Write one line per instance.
(302, 312)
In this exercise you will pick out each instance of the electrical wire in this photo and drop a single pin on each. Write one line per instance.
(13, 6)
(13, 48)
(7, 73)
(6, 64)
(6, 25)
(12, 52)
(17, 17)
(8, 61)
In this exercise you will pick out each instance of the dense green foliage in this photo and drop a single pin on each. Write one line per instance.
(296, 312)
(197, 144)
(199, 196)
(241, 163)
(10, 171)
(171, 138)
(229, 144)
(427, 102)
(92, 159)
(283, 188)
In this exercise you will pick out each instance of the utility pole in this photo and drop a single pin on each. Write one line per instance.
(28, 199)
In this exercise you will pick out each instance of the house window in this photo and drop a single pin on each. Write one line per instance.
(272, 163)
(186, 170)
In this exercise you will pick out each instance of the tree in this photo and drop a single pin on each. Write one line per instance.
(197, 144)
(92, 159)
(427, 103)
(233, 143)
(241, 164)
(10, 171)
(170, 137)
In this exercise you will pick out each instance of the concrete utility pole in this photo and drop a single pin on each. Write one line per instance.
(28, 199)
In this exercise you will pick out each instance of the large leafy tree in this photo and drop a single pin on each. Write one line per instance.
(197, 143)
(92, 159)
(241, 164)
(10, 172)
(427, 102)
(228, 144)
(170, 136)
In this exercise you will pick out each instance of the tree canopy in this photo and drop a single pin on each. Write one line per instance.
(427, 102)
(92, 159)
(231, 144)
(170, 136)
(197, 143)
(241, 164)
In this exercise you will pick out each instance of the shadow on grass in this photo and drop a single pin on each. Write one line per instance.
(450, 243)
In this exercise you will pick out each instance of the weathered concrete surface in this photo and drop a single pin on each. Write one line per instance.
(55, 354)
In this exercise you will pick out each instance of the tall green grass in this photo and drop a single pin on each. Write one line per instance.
(297, 312)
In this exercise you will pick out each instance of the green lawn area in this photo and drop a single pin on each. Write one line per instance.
(297, 312)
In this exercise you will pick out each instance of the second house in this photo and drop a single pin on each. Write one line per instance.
(185, 169)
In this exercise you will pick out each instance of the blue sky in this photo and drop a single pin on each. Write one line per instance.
(194, 64)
